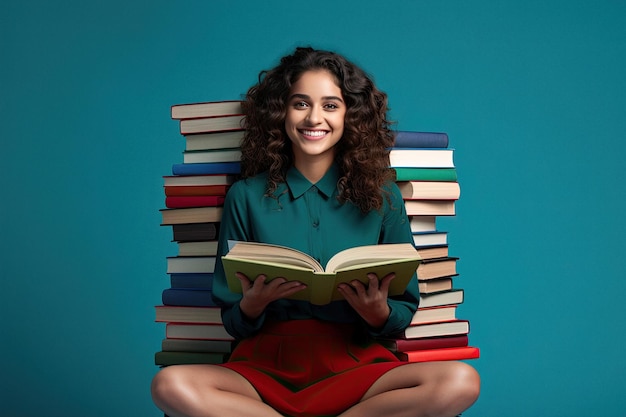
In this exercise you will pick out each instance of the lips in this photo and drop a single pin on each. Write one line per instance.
(314, 134)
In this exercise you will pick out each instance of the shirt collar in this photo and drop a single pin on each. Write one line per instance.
(298, 184)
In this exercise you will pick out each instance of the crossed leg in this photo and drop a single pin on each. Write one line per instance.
(442, 389)
(206, 391)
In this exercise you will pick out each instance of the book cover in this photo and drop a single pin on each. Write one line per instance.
(188, 314)
(211, 124)
(212, 156)
(429, 190)
(421, 224)
(196, 331)
(442, 354)
(188, 215)
(430, 207)
(198, 248)
(454, 296)
(192, 345)
(437, 268)
(213, 140)
(171, 181)
(433, 252)
(206, 109)
(346, 266)
(430, 239)
(185, 201)
(435, 285)
(187, 297)
(414, 139)
(425, 174)
(203, 281)
(208, 168)
(436, 329)
(190, 264)
(407, 345)
(421, 158)
(195, 231)
(434, 314)
(195, 190)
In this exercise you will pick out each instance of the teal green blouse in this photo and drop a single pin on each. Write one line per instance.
(309, 218)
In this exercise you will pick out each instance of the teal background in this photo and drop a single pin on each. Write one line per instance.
(532, 94)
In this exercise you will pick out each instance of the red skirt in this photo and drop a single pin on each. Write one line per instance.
(310, 368)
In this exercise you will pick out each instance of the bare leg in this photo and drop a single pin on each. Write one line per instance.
(206, 391)
(442, 389)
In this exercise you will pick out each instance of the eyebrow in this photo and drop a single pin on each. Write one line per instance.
(304, 96)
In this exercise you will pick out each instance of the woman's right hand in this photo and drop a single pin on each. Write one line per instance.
(258, 294)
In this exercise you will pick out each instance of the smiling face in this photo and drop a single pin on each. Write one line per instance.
(315, 120)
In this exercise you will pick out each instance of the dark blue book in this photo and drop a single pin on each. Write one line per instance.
(198, 280)
(207, 168)
(411, 139)
(187, 297)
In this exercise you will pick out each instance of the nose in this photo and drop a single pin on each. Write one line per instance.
(314, 117)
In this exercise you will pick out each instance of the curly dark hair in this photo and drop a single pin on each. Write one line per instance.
(363, 151)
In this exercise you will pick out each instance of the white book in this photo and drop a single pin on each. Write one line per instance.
(421, 158)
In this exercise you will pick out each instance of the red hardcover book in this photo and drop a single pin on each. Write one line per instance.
(186, 190)
(408, 345)
(444, 354)
(194, 201)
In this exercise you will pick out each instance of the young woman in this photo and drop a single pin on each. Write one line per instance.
(315, 177)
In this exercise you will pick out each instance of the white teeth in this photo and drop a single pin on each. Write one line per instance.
(314, 132)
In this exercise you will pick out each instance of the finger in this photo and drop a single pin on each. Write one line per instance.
(348, 292)
(386, 282)
(359, 288)
(259, 282)
(276, 283)
(245, 282)
(291, 288)
(373, 282)
(345, 289)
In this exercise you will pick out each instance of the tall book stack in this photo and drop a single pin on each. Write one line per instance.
(427, 178)
(194, 195)
(194, 198)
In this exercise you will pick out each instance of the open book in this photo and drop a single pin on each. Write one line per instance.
(253, 259)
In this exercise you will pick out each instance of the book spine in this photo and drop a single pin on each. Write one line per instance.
(206, 168)
(411, 139)
(187, 297)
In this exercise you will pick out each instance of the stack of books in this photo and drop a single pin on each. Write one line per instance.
(194, 195)
(194, 198)
(427, 178)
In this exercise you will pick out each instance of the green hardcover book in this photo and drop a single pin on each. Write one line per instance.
(426, 174)
(274, 261)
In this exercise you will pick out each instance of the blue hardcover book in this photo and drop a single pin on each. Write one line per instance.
(187, 297)
(207, 168)
(411, 139)
(191, 280)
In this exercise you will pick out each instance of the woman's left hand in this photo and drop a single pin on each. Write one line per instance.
(369, 301)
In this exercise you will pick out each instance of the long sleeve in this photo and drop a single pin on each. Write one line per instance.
(308, 217)
(396, 229)
(234, 226)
